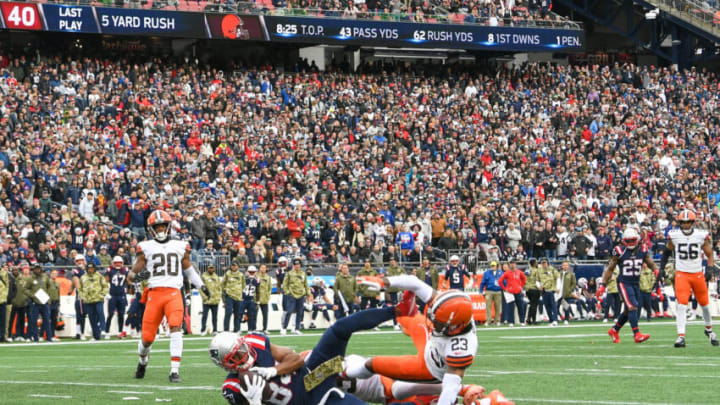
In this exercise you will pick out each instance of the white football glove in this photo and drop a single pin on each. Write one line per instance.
(265, 372)
(254, 391)
(108, 297)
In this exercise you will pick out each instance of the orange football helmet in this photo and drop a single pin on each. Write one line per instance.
(686, 218)
(686, 215)
(157, 218)
(451, 312)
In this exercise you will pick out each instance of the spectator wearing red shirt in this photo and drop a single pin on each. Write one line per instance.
(295, 226)
(512, 282)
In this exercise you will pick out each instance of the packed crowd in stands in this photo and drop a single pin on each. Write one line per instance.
(389, 161)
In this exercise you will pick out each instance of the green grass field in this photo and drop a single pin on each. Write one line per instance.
(574, 364)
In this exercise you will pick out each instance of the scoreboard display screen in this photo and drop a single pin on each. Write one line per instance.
(182, 24)
(402, 34)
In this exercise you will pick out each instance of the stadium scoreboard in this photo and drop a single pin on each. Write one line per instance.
(421, 35)
(271, 28)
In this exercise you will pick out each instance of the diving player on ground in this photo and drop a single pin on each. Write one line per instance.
(445, 350)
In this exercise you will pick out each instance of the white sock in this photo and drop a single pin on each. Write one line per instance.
(355, 367)
(143, 352)
(423, 291)
(706, 316)
(681, 318)
(176, 348)
(404, 389)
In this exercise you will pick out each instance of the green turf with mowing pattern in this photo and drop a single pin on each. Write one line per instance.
(532, 365)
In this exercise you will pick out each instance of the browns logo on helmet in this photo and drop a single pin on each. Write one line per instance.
(451, 312)
(156, 219)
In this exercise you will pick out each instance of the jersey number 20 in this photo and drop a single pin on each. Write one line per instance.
(165, 264)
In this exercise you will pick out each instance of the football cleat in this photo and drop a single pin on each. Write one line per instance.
(407, 306)
(373, 283)
(680, 342)
(639, 337)
(497, 398)
(140, 371)
(174, 378)
(713, 337)
(614, 335)
(471, 393)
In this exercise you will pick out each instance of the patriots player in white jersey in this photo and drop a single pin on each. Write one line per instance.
(688, 245)
(159, 261)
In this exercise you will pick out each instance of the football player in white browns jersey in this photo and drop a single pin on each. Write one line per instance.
(445, 350)
(688, 245)
(159, 261)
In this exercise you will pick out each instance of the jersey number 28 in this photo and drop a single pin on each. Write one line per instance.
(281, 394)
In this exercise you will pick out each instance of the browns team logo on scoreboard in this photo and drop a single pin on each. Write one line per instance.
(231, 26)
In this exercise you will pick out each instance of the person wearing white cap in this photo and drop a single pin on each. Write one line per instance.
(116, 277)
(80, 314)
(455, 274)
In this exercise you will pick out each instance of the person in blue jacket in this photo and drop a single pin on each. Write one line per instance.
(490, 286)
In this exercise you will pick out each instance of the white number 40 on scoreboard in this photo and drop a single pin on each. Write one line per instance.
(21, 16)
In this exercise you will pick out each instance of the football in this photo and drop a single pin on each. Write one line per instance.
(267, 392)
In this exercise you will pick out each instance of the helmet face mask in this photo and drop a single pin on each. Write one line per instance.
(630, 238)
(687, 227)
(231, 352)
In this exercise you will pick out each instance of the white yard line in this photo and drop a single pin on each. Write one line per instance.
(598, 402)
(590, 356)
(50, 396)
(95, 384)
(186, 339)
(545, 337)
(130, 392)
(592, 372)
(639, 368)
(698, 364)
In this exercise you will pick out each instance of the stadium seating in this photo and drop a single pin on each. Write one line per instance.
(452, 154)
